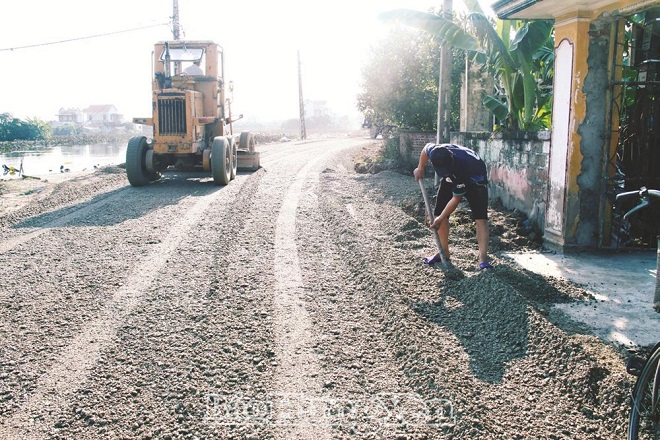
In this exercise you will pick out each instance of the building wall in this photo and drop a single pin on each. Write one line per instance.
(578, 214)
(517, 169)
(559, 146)
(594, 133)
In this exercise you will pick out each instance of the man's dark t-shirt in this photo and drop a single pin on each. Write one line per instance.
(468, 168)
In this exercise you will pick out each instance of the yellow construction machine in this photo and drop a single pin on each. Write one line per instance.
(191, 119)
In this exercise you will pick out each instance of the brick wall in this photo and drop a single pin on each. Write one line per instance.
(411, 143)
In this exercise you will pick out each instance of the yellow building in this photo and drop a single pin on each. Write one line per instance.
(606, 114)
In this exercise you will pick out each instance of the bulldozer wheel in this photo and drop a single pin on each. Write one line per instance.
(136, 168)
(234, 158)
(221, 161)
(247, 141)
(206, 160)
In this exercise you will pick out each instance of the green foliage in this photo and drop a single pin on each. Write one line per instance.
(391, 150)
(391, 156)
(40, 129)
(12, 129)
(400, 82)
(519, 54)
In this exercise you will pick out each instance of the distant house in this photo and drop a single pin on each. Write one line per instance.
(70, 116)
(102, 115)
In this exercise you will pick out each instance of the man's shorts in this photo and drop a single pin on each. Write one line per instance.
(476, 195)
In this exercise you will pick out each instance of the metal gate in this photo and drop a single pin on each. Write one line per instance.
(636, 105)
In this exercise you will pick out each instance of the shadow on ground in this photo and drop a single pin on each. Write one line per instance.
(489, 314)
(489, 319)
(125, 203)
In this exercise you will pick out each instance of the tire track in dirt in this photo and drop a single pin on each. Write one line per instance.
(370, 393)
(182, 365)
(57, 385)
(298, 412)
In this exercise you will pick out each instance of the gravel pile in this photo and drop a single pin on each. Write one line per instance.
(479, 353)
(151, 313)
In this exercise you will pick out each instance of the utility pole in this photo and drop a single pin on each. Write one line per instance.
(303, 131)
(444, 83)
(176, 27)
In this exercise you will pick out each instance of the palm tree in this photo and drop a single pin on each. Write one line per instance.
(520, 55)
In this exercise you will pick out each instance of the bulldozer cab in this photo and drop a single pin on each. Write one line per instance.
(173, 67)
(176, 57)
(182, 56)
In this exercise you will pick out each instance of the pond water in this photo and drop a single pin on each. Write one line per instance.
(71, 157)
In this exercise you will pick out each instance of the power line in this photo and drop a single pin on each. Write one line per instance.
(82, 38)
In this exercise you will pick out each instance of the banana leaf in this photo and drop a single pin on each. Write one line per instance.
(473, 6)
(496, 107)
(531, 37)
(441, 28)
(490, 37)
(517, 94)
(529, 90)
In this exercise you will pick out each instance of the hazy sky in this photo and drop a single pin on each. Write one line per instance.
(260, 39)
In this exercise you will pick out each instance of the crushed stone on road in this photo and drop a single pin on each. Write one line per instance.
(178, 278)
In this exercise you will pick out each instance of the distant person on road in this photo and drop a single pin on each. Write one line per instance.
(194, 69)
(462, 174)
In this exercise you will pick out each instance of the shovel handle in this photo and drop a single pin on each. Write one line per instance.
(429, 211)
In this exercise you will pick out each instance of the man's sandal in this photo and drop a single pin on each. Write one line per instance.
(432, 260)
(485, 265)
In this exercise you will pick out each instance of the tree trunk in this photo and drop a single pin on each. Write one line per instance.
(444, 83)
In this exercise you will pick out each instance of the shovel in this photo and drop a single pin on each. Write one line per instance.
(429, 211)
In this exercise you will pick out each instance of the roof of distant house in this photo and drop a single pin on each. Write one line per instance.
(105, 108)
(68, 111)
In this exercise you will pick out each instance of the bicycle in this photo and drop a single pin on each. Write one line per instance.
(644, 421)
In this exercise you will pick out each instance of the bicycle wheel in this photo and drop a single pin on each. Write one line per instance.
(645, 412)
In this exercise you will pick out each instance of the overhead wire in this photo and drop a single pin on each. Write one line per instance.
(82, 38)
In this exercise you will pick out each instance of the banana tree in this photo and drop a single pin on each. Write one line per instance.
(518, 53)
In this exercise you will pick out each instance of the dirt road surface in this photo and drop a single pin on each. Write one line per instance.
(291, 303)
